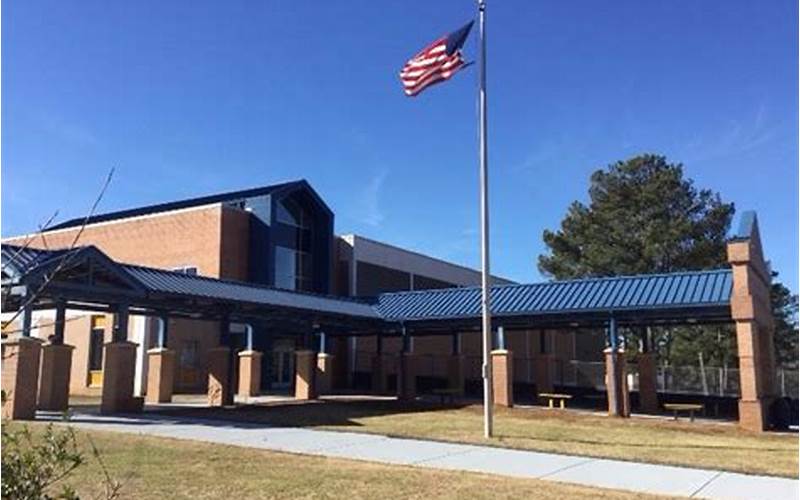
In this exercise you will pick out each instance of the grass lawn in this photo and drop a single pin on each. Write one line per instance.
(700, 444)
(151, 467)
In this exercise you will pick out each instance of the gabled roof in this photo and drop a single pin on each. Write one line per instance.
(181, 204)
(19, 260)
(645, 292)
(35, 265)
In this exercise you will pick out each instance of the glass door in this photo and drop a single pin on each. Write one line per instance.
(282, 364)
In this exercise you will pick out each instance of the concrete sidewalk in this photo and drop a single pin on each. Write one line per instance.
(603, 473)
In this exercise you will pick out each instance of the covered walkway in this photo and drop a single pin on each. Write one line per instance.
(86, 279)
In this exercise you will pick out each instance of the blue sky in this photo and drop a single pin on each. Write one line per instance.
(190, 98)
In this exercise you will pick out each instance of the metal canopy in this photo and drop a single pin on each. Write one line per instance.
(85, 278)
(686, 296)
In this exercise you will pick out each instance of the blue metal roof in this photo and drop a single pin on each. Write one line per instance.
(645, 292)
(175, 283)
(654, 292)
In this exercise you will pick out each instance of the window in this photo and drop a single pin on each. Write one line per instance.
(189, 356)
(292, 269)
(190, 270)
(96, 340)
(289, 212)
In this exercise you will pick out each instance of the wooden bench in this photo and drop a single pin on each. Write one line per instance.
(561, 398)
(675, 408)
(447, 393)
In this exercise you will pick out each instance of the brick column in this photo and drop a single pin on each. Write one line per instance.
(503, 377)
(619, 404)
(543, 372)
(219, 390)
(305, 367)
(119, 369)
(160, 375)
(751, 311)
(407, 376)
(20, 377)
(455, 373)
(54, 377)
(648, 394)
(249, 374)
(325, 376)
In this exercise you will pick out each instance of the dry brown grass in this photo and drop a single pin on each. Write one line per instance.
(699, 444)
(151, 467)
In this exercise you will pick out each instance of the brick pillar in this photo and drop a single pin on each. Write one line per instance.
(20, 378)
(54, 377)
(379, 385)
(325, 372)
(455, 373)
(219, 389)
(751, 311)
(119, 369)
(160, 375)
(619, 404)
(503, 377)
(305, 367)
(543, 372)
(249, 374)
(407, 376)
(648, 394)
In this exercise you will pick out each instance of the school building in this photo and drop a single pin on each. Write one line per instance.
(252, 291)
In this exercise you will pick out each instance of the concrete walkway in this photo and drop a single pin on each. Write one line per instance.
(603, 473)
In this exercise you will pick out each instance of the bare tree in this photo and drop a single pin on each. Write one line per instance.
(65, 260)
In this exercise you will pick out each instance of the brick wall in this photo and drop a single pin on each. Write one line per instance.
(214, 239)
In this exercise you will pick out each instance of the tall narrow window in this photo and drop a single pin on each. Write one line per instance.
(291, 213)
(292, 269)
(96, 340)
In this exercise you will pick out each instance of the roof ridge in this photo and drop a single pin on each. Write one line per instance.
(248, 284)
(558, 282)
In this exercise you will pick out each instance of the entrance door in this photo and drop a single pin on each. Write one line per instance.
(282, 364)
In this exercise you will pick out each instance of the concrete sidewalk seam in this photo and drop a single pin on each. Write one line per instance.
(704, 485)
(348, 445)
(567, 467)
(446, 455)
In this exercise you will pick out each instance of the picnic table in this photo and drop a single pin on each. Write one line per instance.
(447, 393)
(551, 396)
(679, 407)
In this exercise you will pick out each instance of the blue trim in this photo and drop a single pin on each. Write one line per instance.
(747, 225)
(180, 204)
(613, 341)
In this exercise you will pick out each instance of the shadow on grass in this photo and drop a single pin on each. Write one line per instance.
(621, 444)
(314, 413)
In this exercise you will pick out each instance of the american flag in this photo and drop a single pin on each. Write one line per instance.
(435, 63)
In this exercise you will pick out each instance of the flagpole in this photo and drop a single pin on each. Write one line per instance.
(485, 276)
